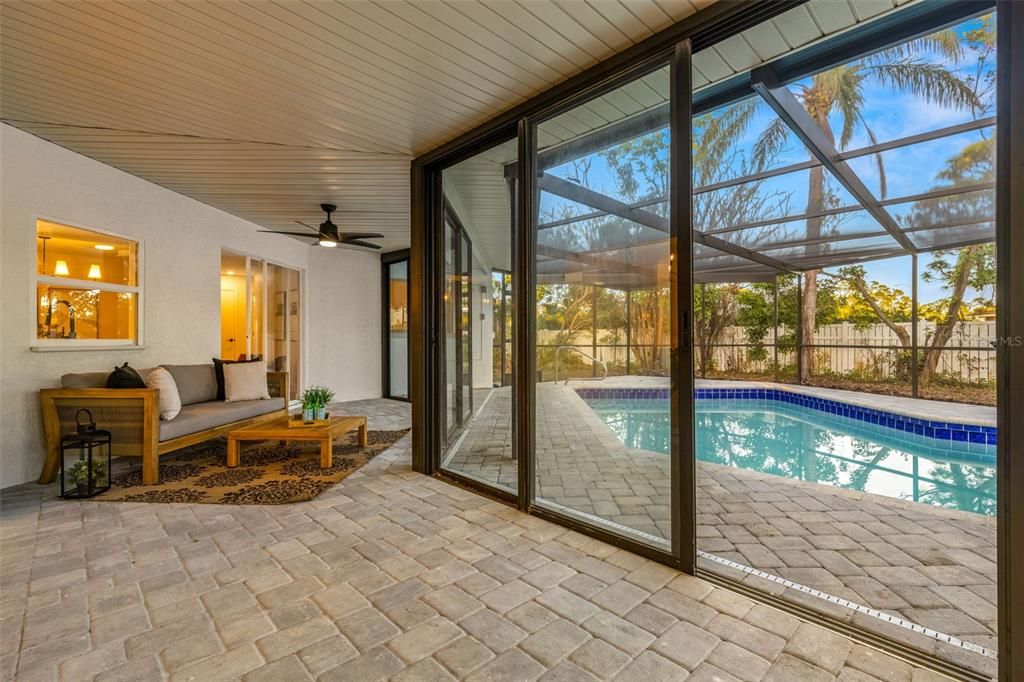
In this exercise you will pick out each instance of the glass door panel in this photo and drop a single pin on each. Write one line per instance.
(277, 329)
(295, 331)
(284, 310)
(257, 309)
(501, 295)
(451, 325)
(603, 445)
(478, 243)
(467, 327)
(396, 344)
(823, 477)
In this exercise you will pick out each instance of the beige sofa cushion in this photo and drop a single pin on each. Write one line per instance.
(203, 416)
(245, 381)
(170, 401)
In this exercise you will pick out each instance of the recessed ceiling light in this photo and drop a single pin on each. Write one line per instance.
(104, 247)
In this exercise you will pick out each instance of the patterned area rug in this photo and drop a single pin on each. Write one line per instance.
(267, 473)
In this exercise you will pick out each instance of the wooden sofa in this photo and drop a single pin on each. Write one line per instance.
(132, 415)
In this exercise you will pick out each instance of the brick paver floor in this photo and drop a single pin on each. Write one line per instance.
(388, 575)
(931, 566)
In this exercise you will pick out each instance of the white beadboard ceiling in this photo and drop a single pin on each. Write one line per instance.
(266, 109)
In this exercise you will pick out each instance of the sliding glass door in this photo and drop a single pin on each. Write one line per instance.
(395, 306)
(738, 314)
(844, 243)
(458, 328)
(261, 314)
(501, 311)
(603, 447)
(476, 310)
(284, 323)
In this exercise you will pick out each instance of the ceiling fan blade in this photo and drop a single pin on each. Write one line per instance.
(360, 235)
(292, 234)
(357, 242)
(315, 229)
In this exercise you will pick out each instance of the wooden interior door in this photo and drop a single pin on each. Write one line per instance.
(228, 324)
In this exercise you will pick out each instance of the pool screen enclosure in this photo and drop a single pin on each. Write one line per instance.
(723, 151)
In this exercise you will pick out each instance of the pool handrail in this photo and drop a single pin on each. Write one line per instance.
(604, 367)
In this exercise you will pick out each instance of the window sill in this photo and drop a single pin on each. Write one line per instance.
(83, 347)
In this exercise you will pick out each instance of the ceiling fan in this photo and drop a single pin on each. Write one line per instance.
(327, 234)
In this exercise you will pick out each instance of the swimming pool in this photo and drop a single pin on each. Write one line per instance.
(840, 448)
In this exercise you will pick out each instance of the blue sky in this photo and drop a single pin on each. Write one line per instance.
(909, 170)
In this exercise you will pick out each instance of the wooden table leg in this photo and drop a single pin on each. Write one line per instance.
(326, 446)
(232, 453)
(363, 438)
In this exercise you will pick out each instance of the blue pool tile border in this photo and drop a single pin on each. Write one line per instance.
(949, 431)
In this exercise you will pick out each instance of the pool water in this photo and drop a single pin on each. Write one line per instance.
(797, 442)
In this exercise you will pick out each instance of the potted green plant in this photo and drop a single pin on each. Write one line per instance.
(79, 474)
(314, 402)
(324, 396)
(309, 402)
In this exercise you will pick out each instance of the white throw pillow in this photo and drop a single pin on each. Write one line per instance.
(245, 381)
(170, 401)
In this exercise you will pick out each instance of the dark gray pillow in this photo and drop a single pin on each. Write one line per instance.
(125, 377)
(196, 383)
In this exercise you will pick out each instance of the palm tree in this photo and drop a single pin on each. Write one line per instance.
(904, 68)
(640, 167)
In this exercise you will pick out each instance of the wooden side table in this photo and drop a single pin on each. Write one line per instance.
(278, 429)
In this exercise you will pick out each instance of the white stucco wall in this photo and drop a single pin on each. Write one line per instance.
(182, 240)
(344, 330)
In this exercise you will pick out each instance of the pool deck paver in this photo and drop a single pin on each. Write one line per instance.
(383, 576)
(932, 566)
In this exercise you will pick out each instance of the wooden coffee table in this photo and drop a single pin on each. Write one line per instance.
(278, 429)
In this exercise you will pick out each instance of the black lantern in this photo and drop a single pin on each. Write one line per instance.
(84, 459)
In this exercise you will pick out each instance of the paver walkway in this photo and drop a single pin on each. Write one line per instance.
(931, 566)
(388, 575)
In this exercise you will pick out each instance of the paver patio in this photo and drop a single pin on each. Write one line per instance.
(388, 575)
(931, 566)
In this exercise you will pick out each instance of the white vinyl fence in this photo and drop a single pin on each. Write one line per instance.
(872, 352)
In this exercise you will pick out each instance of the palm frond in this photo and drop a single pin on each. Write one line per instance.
(932, 82)
(849, 100)
(769, 144)
(946, 42)
(883, 189)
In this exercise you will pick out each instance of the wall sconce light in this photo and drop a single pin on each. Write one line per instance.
(94, 271)
(61, 269)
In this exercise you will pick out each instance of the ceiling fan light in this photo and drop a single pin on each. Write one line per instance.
(327, 243)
